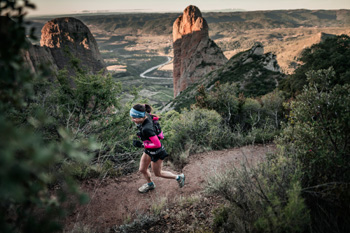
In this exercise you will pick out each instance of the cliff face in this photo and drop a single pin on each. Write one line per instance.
(37, 55)
(195, 54)
(69, 34)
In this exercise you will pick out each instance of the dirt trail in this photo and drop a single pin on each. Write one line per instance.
(114, 200)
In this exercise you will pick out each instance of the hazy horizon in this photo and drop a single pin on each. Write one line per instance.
(49, 7)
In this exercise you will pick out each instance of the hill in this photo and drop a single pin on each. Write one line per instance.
(220, 23)
(254, 72)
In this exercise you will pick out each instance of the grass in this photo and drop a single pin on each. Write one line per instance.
(158, 207)
(189, 201)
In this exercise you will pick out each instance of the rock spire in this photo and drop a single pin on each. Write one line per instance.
(195, 54)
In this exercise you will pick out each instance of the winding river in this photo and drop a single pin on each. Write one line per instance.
(143, 75)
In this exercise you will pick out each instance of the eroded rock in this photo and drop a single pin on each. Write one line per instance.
(69, 35)
(195, 54)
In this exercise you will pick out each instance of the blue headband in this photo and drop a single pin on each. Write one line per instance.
(136, 114)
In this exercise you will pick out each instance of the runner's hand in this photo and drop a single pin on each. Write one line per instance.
(137, 143)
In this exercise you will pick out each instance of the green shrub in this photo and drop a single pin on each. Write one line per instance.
(223, 99)
(221, 216)
(318, 133)
(251, 113)
(251, 120)
(89, 108)
(333, 52)
(304, 186)
(194, 131)
(32, 146)
(263, 198)
(319, 129)
(236, 109)
(272, 106)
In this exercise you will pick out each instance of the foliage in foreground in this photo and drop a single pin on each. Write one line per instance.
(89, 107)
(304, 186)
(318, 134)
(28, 162)
(263, 198)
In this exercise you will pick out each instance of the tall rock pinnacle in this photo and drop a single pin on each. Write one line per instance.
(195, 54)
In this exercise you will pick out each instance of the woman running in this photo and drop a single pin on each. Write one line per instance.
(154, 152)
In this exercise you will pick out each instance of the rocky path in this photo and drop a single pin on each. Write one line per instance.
(115, 200)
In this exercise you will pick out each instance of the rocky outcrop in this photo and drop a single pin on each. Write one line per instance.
(195, 54)
(33, 56)
(61, 39)
(62, 36)
(37, 56)
(254, 72)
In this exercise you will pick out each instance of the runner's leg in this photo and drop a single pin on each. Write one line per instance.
(144, 164)
(157, 169)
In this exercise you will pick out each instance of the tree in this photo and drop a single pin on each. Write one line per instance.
(333, 52)
(222, 99)
(317, 136)
(273, 106)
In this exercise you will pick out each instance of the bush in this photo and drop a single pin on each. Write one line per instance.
(194, 131)
(251, 120)
(223, 99)
(30, 161)
(318, 133)
(333, 52)
(263, 198)
(87, 105)
(305, 185)
(272, 104)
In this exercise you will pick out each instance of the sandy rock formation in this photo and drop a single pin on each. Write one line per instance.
(195, 54)
(69, 34)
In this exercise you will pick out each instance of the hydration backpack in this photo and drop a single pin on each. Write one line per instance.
(156, 126)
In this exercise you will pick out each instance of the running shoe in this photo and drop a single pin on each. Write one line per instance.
(181, 180)
(145, 188)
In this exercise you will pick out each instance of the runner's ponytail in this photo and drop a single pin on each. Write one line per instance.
(148, 108)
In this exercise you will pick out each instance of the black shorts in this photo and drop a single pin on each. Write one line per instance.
(156, 154)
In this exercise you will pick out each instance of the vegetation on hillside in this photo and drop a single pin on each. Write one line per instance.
(161, 23)
(304, 186)
(54, 133)
(28, 161)
(246, 70)
(333, 52)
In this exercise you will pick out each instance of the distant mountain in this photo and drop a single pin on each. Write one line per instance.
(256, 73)
(161, 23)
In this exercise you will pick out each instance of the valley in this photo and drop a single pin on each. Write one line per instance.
(130, 44)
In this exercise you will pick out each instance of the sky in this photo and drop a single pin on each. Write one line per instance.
(52, 7)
